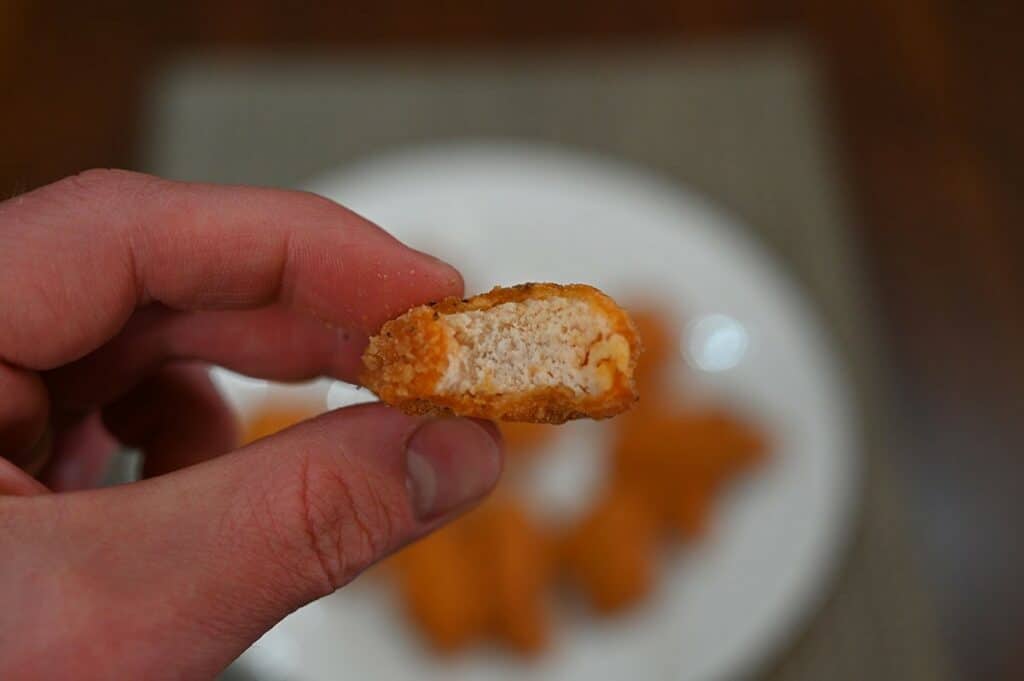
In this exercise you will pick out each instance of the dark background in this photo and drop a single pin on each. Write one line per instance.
(926, 100)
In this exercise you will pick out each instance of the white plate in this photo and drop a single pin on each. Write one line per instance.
(507, 213)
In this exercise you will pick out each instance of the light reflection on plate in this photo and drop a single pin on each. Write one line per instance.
(715, 342)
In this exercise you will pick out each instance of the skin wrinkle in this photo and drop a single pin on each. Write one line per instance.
(91, 192)
(158, 335)
(281, 286)
(388, 532)
(353, 550)
(371, 515)
(95, 190)
(249, 511)
(284, 292)
(137, 279)
(313, 311)
(283, 556)
(292, 477)
(45, 294)
(188, 209)
(331, 569)
(316, 305)
(368, 515)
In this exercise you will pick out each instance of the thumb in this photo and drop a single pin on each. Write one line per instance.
(193, 566)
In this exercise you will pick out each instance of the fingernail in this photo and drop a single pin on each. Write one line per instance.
(450, 462)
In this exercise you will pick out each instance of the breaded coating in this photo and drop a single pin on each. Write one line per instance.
(611, 554)
(541, 353)
(681, 459)
(443, 589)
(513, 551)
(484, 576)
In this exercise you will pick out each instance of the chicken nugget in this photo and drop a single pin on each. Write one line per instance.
(681, 459)
(512, 551)
(611, 554)
(443, 589)
(542, 353)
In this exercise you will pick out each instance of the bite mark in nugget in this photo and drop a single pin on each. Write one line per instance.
(542, 353)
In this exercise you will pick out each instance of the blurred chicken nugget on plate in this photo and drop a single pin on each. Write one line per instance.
(611, 554)
(443, 589)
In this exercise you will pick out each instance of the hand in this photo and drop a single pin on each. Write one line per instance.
(114, 289)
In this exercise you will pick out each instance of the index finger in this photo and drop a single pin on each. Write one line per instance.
(78, 256)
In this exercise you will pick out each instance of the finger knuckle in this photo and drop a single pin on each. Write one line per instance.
(102, 183)
(100, 191)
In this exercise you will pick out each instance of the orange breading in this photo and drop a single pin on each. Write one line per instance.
(680, 459)
(542, 353)
(610, 555)
(443, 590)
(485, 575)
(512, 551)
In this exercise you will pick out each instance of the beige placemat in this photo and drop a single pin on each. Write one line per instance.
(740, 123)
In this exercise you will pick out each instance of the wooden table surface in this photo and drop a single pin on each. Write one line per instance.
(924, 98)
